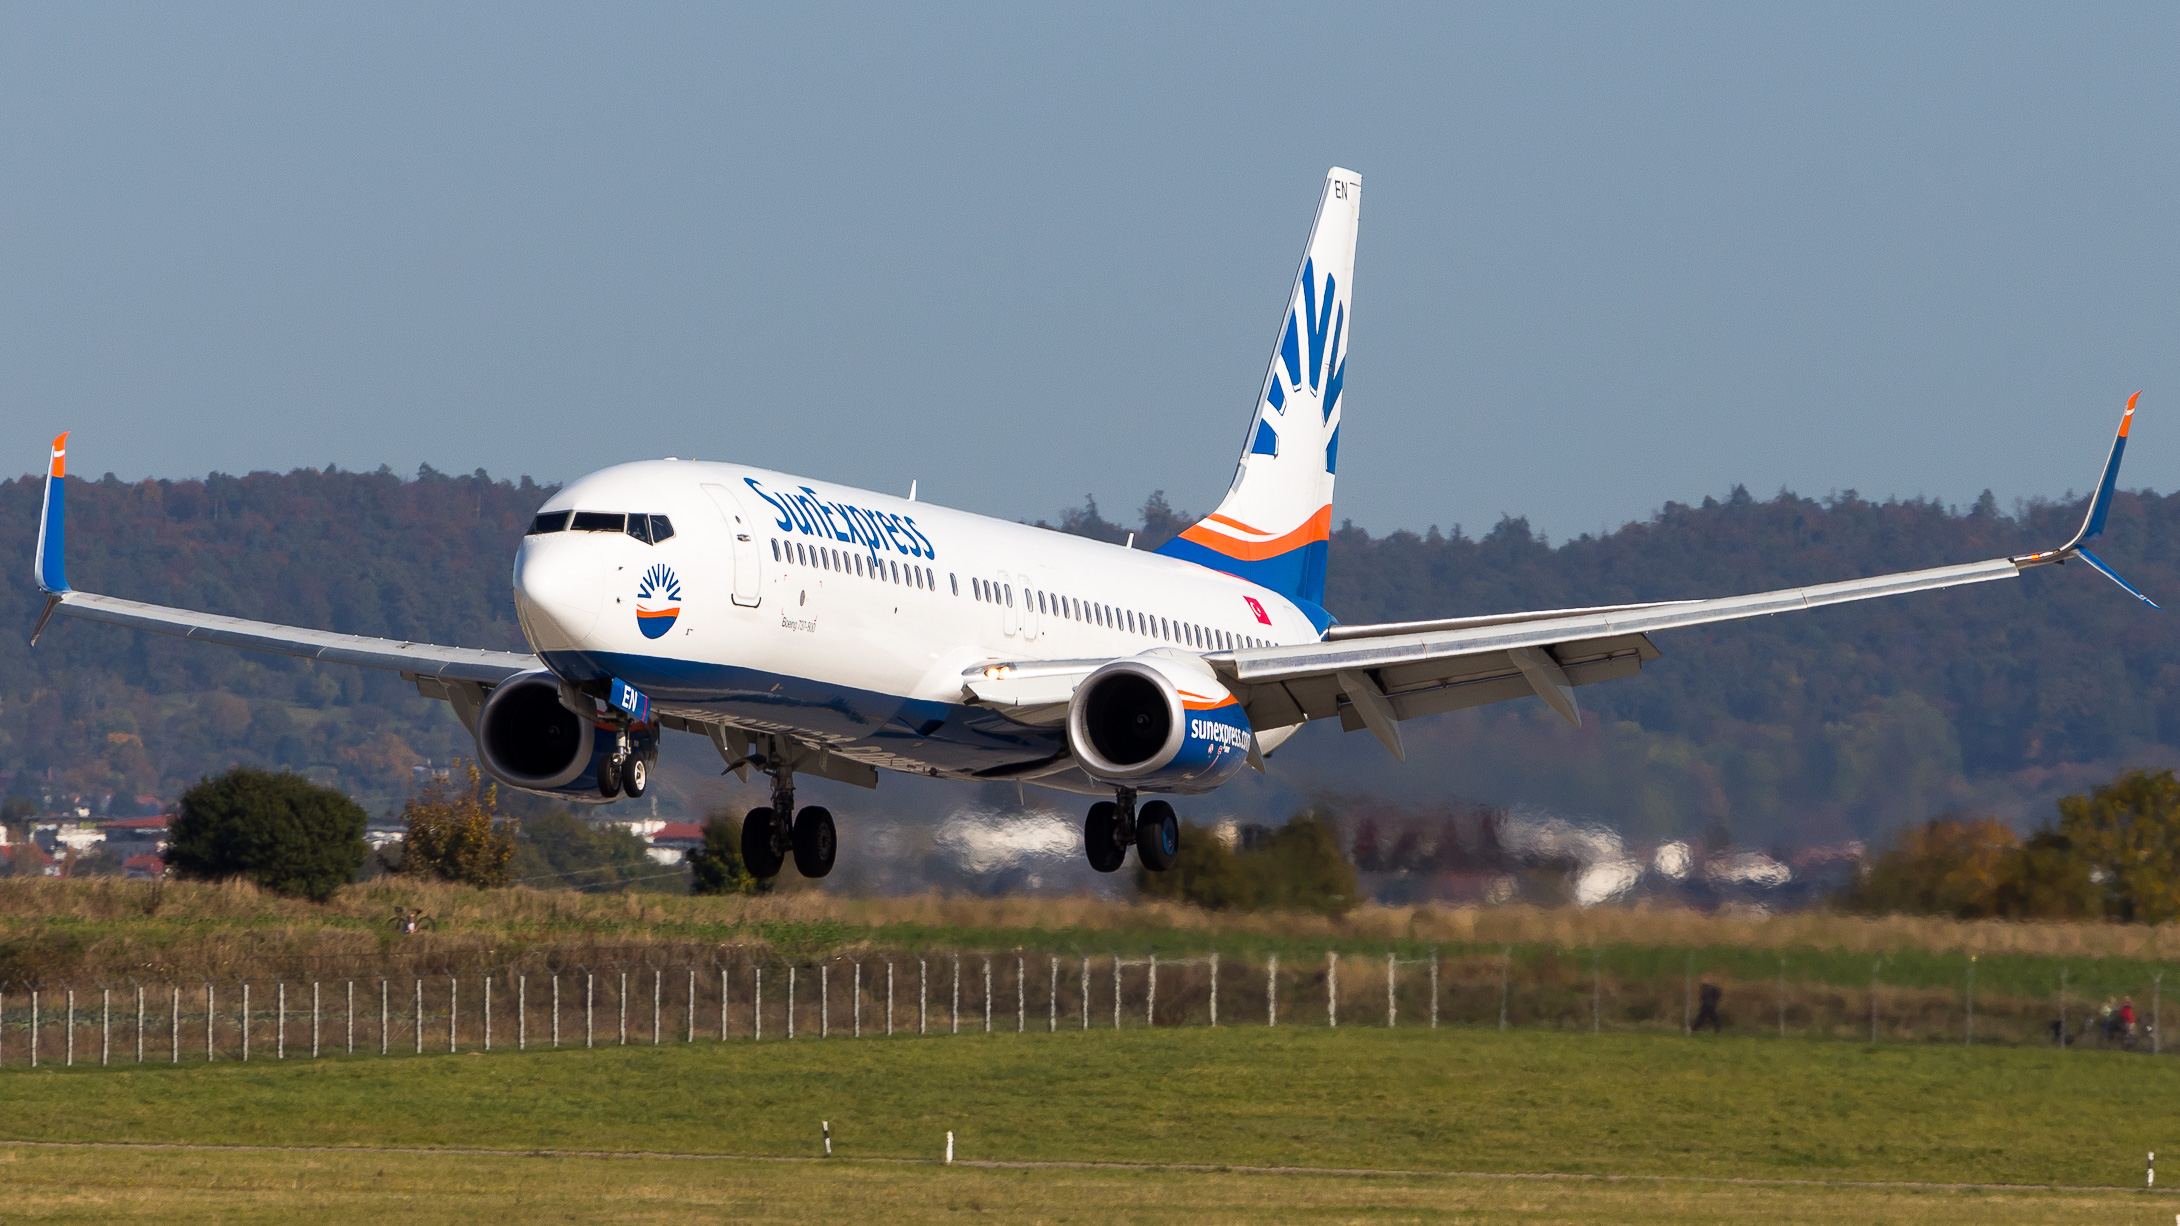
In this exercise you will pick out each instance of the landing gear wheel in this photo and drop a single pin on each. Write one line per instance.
(759, 853)
(635, 777)
(815, 842)
(1101, 837)
(609, 777)
(1157, 836)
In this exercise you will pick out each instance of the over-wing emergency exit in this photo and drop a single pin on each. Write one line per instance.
(807, 628)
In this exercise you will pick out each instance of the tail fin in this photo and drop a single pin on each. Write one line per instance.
(1274, 526)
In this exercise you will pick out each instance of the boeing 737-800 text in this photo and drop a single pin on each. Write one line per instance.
(807, 628)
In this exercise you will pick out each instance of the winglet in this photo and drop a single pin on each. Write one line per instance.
(2100, 505)
(50, 566)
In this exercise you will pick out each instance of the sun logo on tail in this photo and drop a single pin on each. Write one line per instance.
(658, 601)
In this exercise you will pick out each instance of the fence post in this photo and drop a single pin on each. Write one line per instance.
(954, 1012)
(987, 993)
(522, 1012)
(923, 995)
(174, 1022)
(855, 1003)
(209, 1051)
(72, 1026)
(1214, 989)
(1086, 992)
(620, 999)
(1873, 998)
(245, 1019)
(1116, 991)
(658, 1001)
(351, 1017)
(1688, 996)
(1052, 999)
(280, 1020)
(1150, 996)
(1434, 987)
(385, 1015)
(1506, 983)
(488, 1010)
(105, 1025)
(1332, 987)
(419, 1018)
(34, 1028)
(454, 1010)
(722, 1003)
(1271, 991)
(825, 1000)
(790, 1001)
(590, 1004)
(757, 1005)
(314, 1003)
(1391, 960)
(1970, 1038)
(889, 997)
(1021, 996)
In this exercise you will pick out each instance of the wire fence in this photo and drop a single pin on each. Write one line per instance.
(623, 996)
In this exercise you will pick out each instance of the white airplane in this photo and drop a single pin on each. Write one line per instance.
(808, 628)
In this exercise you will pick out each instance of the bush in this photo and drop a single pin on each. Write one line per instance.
(562, 851)
(281, 831)
(717, 867)
(1299, 868)
(1950, 865)
(457, 835)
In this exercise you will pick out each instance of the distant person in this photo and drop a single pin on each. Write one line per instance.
(2127, 1020)
(1707, 1006)
(2107, 1021)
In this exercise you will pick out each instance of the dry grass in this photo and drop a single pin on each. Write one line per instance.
(51, 928)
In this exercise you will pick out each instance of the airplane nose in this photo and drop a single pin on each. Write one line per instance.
(559, 590)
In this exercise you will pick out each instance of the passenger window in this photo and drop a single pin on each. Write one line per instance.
(775, 549)
(550, 521)
(954, 581)
(600, 521)
(1008, 588)
(661, 528)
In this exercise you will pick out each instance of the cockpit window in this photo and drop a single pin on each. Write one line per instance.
(661, 528)
(550, 521)
(639, 526)
(600, 521)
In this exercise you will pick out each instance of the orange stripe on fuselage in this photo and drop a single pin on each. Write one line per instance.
(1318, 528)
(2127, 419)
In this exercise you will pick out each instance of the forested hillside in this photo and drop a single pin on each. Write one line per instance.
(1812, 727)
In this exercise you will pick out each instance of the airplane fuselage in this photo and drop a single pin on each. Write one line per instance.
(849, 618)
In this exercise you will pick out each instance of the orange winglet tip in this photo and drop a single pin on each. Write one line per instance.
(60, 454)
(2128, 418)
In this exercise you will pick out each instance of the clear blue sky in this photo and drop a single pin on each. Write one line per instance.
(1610, 256)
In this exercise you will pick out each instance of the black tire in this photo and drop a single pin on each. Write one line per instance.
(1157, 835)
(1101, 837)
(635, 777)
(815, 842)
(609, 777)
(757, 853)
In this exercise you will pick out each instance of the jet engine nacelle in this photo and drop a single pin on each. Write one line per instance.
(527, 738)
(1156, 725)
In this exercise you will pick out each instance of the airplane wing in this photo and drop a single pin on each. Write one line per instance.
(430, 665)
(1377, 676)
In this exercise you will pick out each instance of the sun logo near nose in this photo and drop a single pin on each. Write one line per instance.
(658, 601)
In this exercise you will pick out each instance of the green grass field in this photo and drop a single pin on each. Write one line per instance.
(1675, 1111)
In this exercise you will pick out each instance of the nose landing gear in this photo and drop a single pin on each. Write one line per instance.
(1113, 825)
(626, 769)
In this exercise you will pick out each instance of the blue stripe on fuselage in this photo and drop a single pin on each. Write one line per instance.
(950, 736)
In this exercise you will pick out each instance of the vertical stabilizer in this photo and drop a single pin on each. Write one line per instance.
(1275, 523)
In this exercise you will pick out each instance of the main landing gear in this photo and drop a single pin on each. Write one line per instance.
(1114, 824)
(768, 836)
(626, 770)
